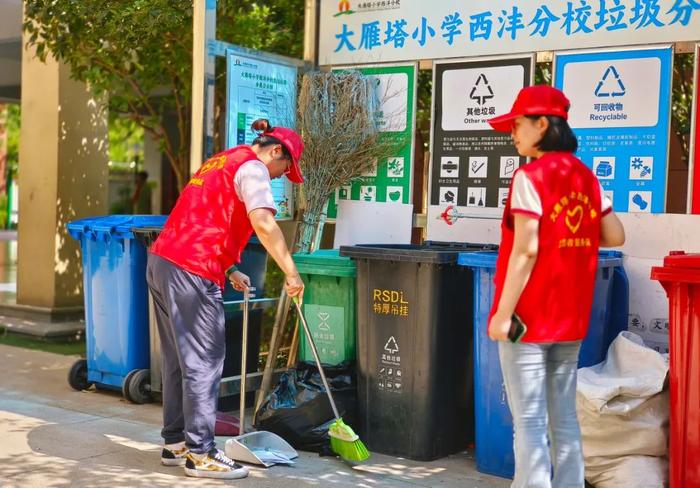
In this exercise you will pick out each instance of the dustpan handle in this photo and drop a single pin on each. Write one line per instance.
(318, 360)
(244, 359)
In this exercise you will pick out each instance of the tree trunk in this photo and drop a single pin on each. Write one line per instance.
(180, 164)
(181, 168)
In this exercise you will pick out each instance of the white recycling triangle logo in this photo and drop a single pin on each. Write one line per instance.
(391, 346)
(610, 85)
(323, 324)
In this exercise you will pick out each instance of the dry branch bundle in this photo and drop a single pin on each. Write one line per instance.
(339, 122)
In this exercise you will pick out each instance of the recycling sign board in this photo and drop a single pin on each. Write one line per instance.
(620, 112)
(472, 166)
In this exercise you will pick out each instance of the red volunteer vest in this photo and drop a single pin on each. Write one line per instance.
(556, 303)
(209, 227)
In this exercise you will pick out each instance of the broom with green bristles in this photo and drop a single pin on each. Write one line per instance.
(344, 442)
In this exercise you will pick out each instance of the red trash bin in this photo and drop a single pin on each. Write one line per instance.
(680, 277)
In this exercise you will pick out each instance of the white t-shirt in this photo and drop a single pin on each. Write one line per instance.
(526, 198)
(252, 184)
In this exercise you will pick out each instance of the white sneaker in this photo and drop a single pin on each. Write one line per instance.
(174, 454)
(214, 464)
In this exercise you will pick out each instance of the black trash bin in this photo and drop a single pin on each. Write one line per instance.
(414, 350)
(254, 264)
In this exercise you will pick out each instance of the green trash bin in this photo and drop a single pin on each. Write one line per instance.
(329, 305)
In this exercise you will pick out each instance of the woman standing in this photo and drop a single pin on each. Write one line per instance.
(554, 222)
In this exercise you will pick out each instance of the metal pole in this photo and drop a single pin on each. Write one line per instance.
(311, 31)
(310, 54)
(198, 67)
(693, 163)
(244, 357)
(203, 67)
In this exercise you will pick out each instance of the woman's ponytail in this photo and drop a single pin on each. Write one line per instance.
(260, 126)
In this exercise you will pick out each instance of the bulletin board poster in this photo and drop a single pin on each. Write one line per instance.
(472, 165)
(259, 88)
(389, 180)
(695, 141)
(620, 112)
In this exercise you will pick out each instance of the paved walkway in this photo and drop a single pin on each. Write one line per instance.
(53, 436)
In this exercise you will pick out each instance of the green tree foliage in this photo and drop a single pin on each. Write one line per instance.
(425, 98)
(140, 52)
(13, 121)
(125, 142)
(276, 26)
(682, 101)
(9, 135)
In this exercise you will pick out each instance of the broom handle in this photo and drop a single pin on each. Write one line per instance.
(318, 360)
(294, 348)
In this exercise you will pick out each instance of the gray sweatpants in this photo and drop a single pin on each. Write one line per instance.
(190, 316)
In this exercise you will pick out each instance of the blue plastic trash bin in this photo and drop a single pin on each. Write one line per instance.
(494, 424)
(116, 300)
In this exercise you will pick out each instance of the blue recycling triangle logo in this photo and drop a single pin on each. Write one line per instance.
(610, 85)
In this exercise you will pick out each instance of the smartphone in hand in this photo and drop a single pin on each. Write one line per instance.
(517, 329)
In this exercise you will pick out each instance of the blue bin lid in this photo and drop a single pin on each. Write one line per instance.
(478, 259)
(487, 259)
(125, 230)
(107, 226)
(609, 259)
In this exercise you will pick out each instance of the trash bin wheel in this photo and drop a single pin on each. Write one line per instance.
(137, 386)
(78, 375)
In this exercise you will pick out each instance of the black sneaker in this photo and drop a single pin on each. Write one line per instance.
(214, 464)
(174, 454)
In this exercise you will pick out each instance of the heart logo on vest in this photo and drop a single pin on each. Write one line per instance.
(574, 218)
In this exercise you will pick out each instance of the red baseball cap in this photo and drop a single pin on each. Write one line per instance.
(533, 100)
(291, 140)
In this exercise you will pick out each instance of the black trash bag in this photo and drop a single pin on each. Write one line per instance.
(298, 409)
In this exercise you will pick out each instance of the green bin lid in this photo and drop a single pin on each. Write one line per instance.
(327, 262)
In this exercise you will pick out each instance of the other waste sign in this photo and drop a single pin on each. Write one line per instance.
(620, 106)
(472, 165)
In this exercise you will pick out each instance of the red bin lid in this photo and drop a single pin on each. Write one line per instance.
(678, 267)
(679, 259)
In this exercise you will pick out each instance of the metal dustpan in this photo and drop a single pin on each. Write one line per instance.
(262, 448)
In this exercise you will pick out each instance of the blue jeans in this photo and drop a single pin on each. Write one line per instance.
(540, 381)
